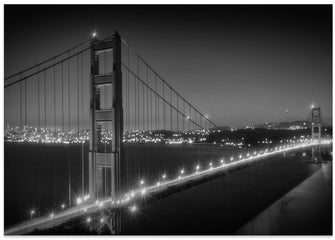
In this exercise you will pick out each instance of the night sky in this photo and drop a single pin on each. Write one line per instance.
(241, 65)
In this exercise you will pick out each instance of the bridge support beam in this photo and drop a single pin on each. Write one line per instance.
(105, 158)
(316, 134)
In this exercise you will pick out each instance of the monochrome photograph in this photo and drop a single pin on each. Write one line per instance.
(168, 119)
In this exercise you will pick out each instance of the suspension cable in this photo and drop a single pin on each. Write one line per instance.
(162, 79)
(152, 90)
(46, 68)
(47, 60)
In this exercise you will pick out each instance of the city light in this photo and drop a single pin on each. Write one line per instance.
(45, 135)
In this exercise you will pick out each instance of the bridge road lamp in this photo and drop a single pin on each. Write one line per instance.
(32, 212)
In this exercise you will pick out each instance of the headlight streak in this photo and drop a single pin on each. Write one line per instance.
(91, 206)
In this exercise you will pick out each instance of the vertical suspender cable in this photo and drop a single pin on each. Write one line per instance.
(171, 108)
(189, 114)
(82, 121)
(177, 113)
(138, 93)
(54, 108)
(54, 78)
(106, 126)
(62, 85)
(68, 91)
(126, 104)
(25, 103)
(184, 115)
(143, 124)
(158, 105)
(78, 95)
(156, 119)
(128, 88)
(135, 101)
(151, 128)
(164, 111)
(45, 99)
(20, 103)
(82, 87)
(135, 107)
(38, 100)
(147, 70)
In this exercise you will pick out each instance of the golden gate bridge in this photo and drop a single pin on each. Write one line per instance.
(104, 92)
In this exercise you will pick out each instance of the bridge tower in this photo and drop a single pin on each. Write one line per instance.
(105, 158)
(316, 133)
